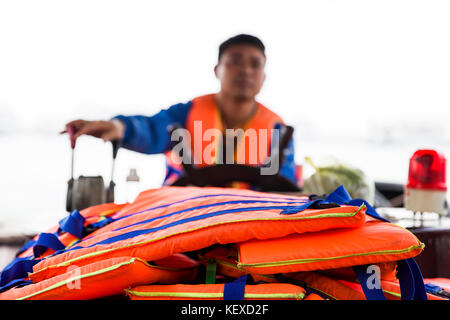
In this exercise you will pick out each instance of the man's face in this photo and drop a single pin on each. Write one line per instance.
(241, 71)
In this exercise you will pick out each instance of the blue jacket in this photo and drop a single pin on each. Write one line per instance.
(150, 135)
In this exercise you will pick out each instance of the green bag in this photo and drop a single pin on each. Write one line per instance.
(327, 178)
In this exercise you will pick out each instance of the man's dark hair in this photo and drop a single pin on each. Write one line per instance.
(242, 39)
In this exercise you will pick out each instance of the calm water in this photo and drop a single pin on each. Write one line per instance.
(34, 171)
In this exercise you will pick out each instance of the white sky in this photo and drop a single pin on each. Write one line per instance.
(338, 69)
(332, 65)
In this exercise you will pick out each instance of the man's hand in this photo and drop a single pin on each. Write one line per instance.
(106, 130)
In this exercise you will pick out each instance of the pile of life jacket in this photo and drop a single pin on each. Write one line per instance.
(222, 243)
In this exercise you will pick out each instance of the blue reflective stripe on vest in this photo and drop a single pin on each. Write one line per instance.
(369, 209)
(235, 290)
(194, 208)
(374, 292)
(136, 233)
(46, 241)
(287, 199)
(341, 196)
(73, 224)
(199, 207)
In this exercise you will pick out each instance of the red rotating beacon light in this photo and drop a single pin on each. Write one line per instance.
(426, 189)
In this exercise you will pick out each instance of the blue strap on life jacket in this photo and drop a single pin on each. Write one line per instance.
(18, 269)
(302, 207)
(73, 224)
(374, 292)
(339, 196)
(411, 280)
(369, 209)
(436, 290)
(46, 241)
(27, 245)
(432, 288)
(100, 224)
(406, 279)
(15, 283)
(235, 290)
(419, 286)
(409, 276)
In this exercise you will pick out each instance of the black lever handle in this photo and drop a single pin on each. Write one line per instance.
(116, 144)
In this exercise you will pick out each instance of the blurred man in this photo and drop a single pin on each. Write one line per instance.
(225, 127)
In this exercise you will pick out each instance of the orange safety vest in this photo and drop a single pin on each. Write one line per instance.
(264, 291)
(206, 128)
(339, 289)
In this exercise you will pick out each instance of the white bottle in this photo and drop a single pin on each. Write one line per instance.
(132, 185)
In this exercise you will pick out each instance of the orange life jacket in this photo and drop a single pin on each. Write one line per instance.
(338, 289)
(205, 115)
(374, 242)
(272, 291)
(105, 278)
